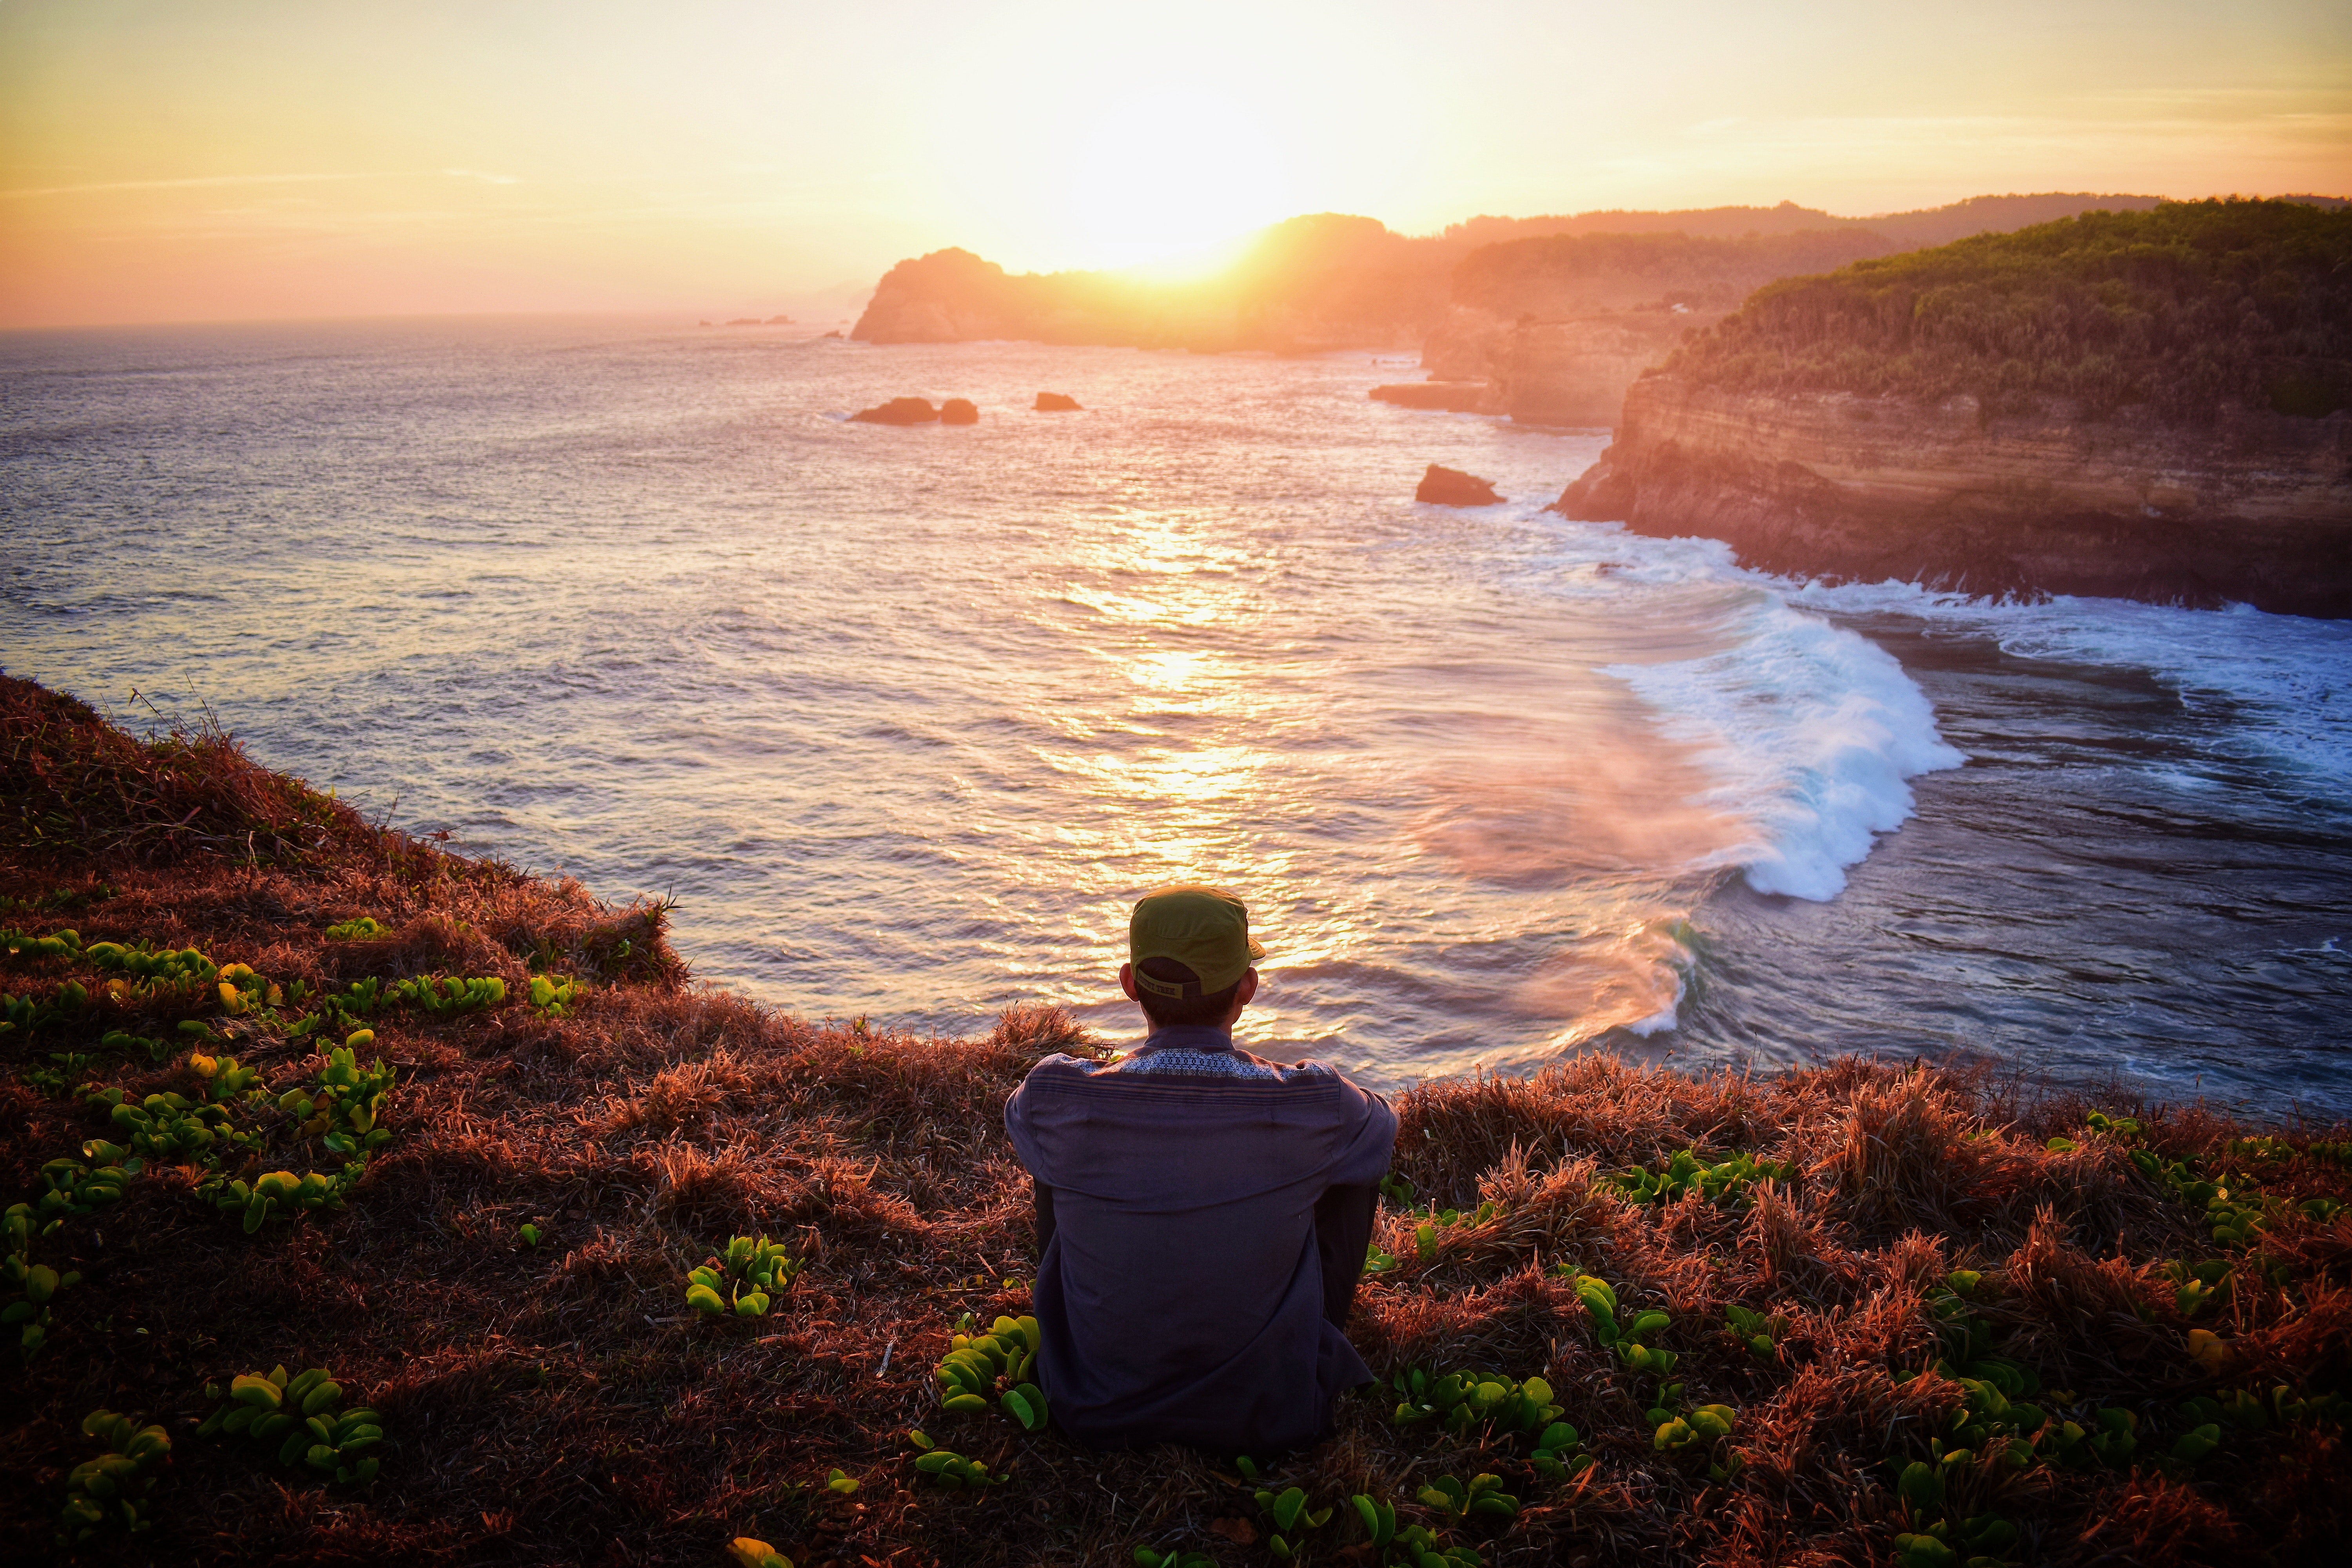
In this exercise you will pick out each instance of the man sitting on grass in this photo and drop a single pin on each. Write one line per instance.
(1201, 1215)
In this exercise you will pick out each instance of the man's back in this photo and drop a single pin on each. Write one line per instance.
(1180, 1293)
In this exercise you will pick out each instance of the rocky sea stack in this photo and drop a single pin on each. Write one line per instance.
(1056, 403)
(1452, 487)
(2154, 406)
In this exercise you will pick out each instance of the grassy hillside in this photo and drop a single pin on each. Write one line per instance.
(1881, 1314)
(2180, 308)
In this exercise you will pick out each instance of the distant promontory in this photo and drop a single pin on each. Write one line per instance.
(1546, 320)
(2149, 405)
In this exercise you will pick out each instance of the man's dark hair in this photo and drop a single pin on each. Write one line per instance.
(1169, 1012)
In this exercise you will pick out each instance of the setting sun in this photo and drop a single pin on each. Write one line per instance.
(1173, 177)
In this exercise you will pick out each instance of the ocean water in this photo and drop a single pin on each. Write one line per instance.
(905, 719)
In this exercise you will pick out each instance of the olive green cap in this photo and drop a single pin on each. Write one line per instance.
(1204, 928)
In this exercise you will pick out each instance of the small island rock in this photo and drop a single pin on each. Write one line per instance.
(1056, 403)
(1452, 487)
(959, 411)
(897, 411)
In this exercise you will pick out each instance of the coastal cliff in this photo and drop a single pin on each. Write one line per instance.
(2255, 509)
(2153, 405)
(1575, 373)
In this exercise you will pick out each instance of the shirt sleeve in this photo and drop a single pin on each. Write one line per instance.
(1364, 1155)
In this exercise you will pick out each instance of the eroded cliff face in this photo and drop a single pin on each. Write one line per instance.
(1569, 372)
(2257, 509)
(1576, 373)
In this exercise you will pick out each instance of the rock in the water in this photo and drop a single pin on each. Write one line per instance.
(900, 411)
(1056, 403)
(1452, 487)
(959, 411)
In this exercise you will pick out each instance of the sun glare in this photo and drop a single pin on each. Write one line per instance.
(1171, 179)
(1175, 180)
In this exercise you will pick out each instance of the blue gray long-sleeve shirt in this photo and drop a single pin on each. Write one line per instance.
(1181, 1298)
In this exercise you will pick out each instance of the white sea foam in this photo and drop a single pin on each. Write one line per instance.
(1813, 732)
(2279, 688)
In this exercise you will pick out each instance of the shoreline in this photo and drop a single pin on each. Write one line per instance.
(542, 1395)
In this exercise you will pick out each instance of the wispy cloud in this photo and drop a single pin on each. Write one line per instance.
(202, 182)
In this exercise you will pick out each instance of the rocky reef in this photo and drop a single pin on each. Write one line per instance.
(897, 411)
(2256, 508)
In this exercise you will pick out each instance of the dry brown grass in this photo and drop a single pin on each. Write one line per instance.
(559, 1404)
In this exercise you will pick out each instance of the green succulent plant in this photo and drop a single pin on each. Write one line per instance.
(344, 1105)
(131, 1045)
(1288, 1513)
(158, 973)
(748, 1553)
(1695, 1430)
(1930, 1542)
(171, 1130)
(51, 1081)
(1759, 1334)
(1001, 1363)
(948, 1470)
(1599, 1302)
(1412, 1545)
(22, 945)
(1726, 1183)
(1482, 1497)
(281, 1193)
(70, 1189)
(33, 1285)
(20, 1014)
(2109, 1441)
(1435, 1220)
(112, 1484)
(2242, 1407)
(1554, 1458)
(1146, 1557)
(743, 1280)
(242, 991)
(1458, 1401)
(448, 997)
(299, 1414)
(366, 928)
(553, 998)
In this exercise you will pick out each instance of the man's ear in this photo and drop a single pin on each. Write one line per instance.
(1246, 989)
(1127, 982)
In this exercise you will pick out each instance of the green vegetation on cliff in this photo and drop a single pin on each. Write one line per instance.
(2183, 309)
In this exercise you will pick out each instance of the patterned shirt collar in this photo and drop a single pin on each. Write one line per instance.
(1187, 1037)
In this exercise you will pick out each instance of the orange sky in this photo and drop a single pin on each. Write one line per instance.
(162, 160)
